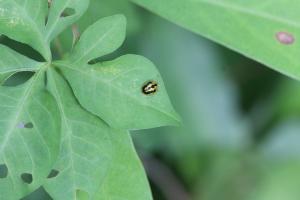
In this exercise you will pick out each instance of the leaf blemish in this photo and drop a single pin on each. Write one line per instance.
(29, 125)
(285, 38)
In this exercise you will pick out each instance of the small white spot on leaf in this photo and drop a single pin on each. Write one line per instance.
(21, 125)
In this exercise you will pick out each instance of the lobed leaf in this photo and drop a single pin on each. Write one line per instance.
(113, 91)
(46, 137)
(92, 154)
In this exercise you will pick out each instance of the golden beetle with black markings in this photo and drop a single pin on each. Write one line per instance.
(150, 88)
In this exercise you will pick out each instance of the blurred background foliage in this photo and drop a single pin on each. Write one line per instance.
(240, 134)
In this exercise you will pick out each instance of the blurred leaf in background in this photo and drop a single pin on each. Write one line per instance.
(262, 31)
(216, 155)
(280, 153)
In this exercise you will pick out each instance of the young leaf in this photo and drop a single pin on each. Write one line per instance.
(62, 14)
(114, 91)
(255, 29)
(29, 136)
(101, 38)
(92, 154)
(24, 21)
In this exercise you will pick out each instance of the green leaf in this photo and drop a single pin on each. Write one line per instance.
(93, 155)
(257, 30)
(59, 18)
(29, 137)
(46, 138)
(113, 91)
(24, 21)
(85, 149)
(101, 38)
(13, 62)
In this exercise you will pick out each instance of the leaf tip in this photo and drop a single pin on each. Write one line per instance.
(176, 120)
(121, 20)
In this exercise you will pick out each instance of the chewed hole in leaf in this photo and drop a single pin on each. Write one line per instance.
(53, 173)
(18, 78)
(29, 125)
(3, 171)
(285, 38)
(27, 178)
(68, 12)
(22, 125)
